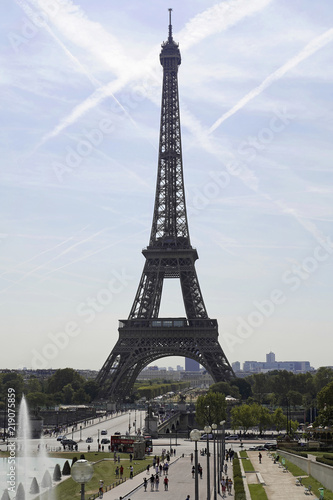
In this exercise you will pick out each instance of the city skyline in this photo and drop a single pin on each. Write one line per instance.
(81, 109)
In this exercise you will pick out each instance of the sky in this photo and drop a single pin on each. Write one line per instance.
(80, 111)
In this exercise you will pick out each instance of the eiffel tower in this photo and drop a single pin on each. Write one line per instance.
(144, 337)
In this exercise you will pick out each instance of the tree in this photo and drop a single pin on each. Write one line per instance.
(64, 377)
(259, 386)
(34, 488)
(57, 473)
(325, 396)
(36, 399)
(279, 419)
(91, 388)
(226, 389)
(210, 409)
(262, 416)
(243, 417)
(66, 470)
(323, 376)
(294, 398)
(244, 387)
(68, 393)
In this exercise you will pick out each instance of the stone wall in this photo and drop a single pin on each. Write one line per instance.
(323, 473)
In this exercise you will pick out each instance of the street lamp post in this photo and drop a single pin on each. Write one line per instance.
(214, 427)
(222, 446)
(207, 430)
(81, 472)
(195, 436)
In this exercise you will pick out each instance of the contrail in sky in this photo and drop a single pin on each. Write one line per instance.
(212, 20)
(312, 47)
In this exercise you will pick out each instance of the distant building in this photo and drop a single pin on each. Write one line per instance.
(236, 366)
(191, 365)
(271, 364)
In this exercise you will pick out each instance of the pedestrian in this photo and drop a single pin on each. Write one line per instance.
(260, 456)
(225, 468)
(174, 452)
(157, 469)
(223, 487)
(131, 457)
(121, 470)
(166, 483)
(200, 471)
(152, 481)
(229, 485)
(188, 497)
(131, 472)
(193, 471)
(157, 482)
(117, 471)
(148, 467)
(161, 468)
(145, 483)
(191, 458)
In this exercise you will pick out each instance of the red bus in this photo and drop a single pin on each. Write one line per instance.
(125, 444)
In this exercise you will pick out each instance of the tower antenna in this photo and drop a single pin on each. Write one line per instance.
(170, 26)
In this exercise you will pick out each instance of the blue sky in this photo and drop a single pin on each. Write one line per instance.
(80, 107)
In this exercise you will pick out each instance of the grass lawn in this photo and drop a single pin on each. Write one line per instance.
(103, 469)
(296, 471)
(247, 464)
(257, 492)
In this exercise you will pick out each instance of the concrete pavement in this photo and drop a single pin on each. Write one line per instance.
(278, 484)
(180, 485)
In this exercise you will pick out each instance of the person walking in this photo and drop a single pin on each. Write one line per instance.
(188, 497)
(193, 471)
(225, 468)
(152, 482)
(145, 482)
(131, 472)
(191, 458)
(157, 482)
(166, 483)
(260, 456)
(121, 470)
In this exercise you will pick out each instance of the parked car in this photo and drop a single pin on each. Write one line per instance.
(89, 440)
(105, 441)
(60, 438)
(204, 436)
(270, 446)
(117, 433)
(232, 436)
(258, 447)
(104, 432)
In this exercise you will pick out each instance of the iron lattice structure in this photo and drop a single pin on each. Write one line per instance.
(144, 337)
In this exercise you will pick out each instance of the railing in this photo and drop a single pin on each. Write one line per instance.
(168, 323)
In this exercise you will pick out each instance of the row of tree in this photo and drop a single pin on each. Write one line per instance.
(65, 386)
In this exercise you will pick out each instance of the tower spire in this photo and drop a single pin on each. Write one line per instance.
(170, 26)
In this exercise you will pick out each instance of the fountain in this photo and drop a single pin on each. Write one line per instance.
(26, 466)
